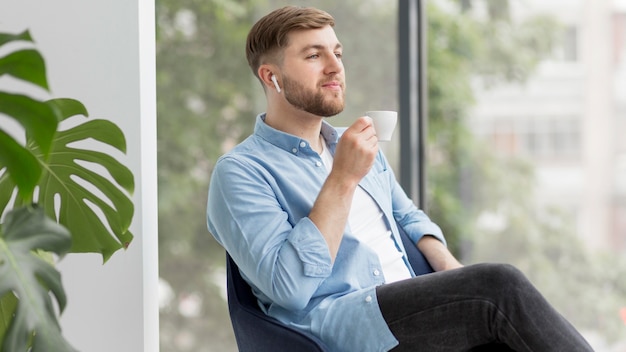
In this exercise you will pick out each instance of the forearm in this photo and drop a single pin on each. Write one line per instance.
(437, 254)
(354, 157)
(331, 210)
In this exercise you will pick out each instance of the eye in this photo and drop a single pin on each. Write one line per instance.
(313, 56)
(339, 55)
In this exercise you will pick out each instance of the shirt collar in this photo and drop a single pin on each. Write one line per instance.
(288, 141)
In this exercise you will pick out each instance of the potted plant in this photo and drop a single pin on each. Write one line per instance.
(56, 196)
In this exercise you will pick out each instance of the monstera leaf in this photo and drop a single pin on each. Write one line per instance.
(8, 303)
(27, 64)
(71, 183)
(73, 186)
(38, 119)
(82, 198)
(31, 279)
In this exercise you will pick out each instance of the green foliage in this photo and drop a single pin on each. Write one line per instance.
(201, 112)
(465, 177)
(52, 161)
(55, 188)
(8, 304)
(205, 106)
(27, 65)
(60, 179)
(29, 277)
(37, 118)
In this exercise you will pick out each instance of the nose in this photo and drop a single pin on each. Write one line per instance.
(334, 65)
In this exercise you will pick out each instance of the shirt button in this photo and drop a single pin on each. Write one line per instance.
(368, 299)
(318, 163)
(302, 144)
(294, 150)
(376, 272)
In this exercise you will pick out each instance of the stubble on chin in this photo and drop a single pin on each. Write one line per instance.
(317, 103)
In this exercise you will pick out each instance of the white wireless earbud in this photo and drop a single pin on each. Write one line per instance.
(273, 78)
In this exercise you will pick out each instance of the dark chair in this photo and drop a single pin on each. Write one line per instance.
(257, 332)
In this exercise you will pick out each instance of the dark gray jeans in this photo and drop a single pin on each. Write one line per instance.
(483, 307)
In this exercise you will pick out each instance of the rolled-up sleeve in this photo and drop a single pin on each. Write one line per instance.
(285, 261)
(314, 255)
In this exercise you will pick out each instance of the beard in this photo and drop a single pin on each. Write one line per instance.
(313, 102)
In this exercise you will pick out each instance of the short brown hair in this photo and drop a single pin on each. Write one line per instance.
(269, 34)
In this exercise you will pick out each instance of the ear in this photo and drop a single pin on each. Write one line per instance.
(265, 75)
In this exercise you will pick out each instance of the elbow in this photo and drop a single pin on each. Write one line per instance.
(292, 303)
(293, 289)
(294, 299)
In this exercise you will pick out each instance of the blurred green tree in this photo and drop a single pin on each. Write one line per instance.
(205, 106)
(464, 176)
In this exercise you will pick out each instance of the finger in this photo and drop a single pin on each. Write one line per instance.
(373, 142)
(373, 138)
(362, 123)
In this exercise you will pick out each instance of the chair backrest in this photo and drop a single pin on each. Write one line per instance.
(417, 260)
(254, 330)
(257, 332)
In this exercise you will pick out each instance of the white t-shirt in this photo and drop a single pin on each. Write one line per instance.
(368, 225)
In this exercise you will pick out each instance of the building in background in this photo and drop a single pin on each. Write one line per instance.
(569, 118)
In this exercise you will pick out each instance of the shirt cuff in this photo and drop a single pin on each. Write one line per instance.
(311, 248)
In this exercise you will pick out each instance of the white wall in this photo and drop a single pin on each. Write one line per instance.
(102, 53)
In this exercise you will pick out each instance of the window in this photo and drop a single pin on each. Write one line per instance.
(546, 138)
(517, 169)
(544, 151)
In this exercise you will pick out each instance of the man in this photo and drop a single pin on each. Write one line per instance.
(311, 218)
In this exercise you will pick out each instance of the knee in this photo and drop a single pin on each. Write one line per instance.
(506, 271)
(503, 277)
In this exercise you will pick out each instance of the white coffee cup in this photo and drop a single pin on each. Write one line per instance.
(384, 123)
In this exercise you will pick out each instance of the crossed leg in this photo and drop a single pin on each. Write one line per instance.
(493, 306)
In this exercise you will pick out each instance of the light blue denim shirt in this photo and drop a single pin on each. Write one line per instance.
(260, 197)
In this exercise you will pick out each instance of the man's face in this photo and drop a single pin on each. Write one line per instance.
(313, 76)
